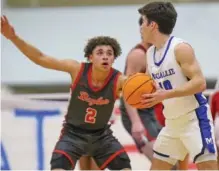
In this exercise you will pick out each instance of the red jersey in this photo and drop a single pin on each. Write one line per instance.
(214, 103)
(159, 113)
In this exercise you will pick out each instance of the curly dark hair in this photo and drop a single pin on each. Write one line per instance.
(163, 13)
(102, 40)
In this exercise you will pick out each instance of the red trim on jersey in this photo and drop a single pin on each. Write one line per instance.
(66, 155)
(140, 46)
(131, 148)
(63, 128)
(96, 89)
(77, 77)
(115, 82)
(113, 156)
(149, 137)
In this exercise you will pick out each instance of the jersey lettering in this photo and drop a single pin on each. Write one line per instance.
(84, 96)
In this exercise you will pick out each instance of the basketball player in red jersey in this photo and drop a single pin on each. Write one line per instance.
(95, 87)
(140, 122)
(214, 103)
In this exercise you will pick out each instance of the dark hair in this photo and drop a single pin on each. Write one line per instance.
(102, 40)
(140, 21)
(163, 13)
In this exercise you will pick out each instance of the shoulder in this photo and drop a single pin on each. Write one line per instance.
(83, 66)
(121, 80)
(136, 53)
(139, 51)
(135, 58)
(79, 68)
(139, 48)
(178, 40)
(115, 74)
(180, 43)
(183, 51)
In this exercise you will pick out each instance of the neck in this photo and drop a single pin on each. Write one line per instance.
(160, 40)
(146, 45)
(99, 75)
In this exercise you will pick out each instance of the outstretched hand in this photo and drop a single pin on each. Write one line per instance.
(7, 30)
(150, 100)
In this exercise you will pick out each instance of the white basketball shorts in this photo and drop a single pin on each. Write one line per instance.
(191, 133)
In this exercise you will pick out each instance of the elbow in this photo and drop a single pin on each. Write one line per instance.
(40, 60)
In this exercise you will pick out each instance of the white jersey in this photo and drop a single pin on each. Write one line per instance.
(165, 70)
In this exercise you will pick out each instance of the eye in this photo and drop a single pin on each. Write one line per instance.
(109, 53)
(99, 53)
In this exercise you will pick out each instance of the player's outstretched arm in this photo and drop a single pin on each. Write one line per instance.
(34, 54)
(185, 56)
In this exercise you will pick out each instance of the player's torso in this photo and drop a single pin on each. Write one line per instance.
(165, 70)
(90, 108)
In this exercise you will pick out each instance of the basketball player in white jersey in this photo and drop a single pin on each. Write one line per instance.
(172, 64)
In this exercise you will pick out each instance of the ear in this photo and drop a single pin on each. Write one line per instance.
(90, 58)
(154, 25)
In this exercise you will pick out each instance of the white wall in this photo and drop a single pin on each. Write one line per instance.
(63, 33)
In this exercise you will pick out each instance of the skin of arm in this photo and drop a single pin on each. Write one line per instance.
(185, 56)
(35, 55)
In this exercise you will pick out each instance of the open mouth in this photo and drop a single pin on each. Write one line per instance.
(105, 63)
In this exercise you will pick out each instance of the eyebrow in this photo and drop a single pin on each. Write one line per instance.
(109, 50)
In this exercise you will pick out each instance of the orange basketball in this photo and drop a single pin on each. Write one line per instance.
(135, 86)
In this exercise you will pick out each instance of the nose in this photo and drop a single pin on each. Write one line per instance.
(105, 57)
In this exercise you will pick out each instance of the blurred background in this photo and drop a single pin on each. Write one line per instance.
(61, 29)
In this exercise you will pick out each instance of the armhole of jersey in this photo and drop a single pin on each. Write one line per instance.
(140, 46)
(115, 82)
(77, 77)
(147, 71)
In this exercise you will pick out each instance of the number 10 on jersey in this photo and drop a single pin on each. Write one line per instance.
(166, 85)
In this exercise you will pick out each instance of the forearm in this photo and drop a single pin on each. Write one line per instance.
(28, 50)
(193, 86)
(132, 113)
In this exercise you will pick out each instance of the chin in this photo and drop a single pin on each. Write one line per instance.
(104, 68)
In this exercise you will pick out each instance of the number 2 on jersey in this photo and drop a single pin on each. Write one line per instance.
(90, 116)
(166, 85)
